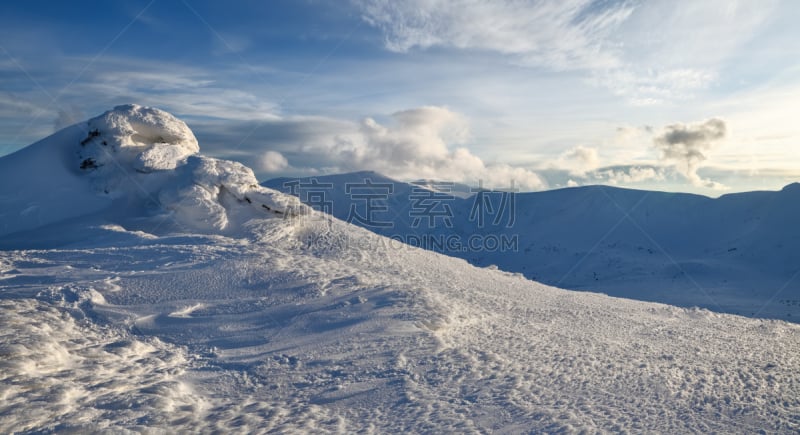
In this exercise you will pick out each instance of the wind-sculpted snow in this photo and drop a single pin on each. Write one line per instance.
(218, 196)
(301, 323)
(284, 334)
(65, 374)
(133, 165)
(135, 137)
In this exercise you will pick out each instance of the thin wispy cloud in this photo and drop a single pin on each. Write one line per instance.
(562, 35)
(646, 52)
(652, 86)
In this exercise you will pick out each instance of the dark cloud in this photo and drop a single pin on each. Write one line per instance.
(688, 142)
(686, 145)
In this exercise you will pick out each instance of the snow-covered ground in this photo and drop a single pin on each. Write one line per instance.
(737, 254)
(182, 296)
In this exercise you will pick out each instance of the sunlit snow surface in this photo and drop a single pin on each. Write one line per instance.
(735, 254)
(256, 320)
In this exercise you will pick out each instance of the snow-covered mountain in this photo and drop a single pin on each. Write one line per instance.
(739, 253)
(168, 292)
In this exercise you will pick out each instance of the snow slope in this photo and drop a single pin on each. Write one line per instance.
(738, 253)
(287, 320)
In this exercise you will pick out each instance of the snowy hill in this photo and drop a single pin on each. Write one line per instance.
(173, 294)
(738, 254)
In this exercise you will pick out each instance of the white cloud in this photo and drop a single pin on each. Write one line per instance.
(273, 161)
(418, 145)
(579, 160)
(188, 92)
(629, 175)
(651, 87)
(563, 35)
(12, 105)
(645, 52)
(676, 50)
(686, 33)
(425, 142)
(645, 155)
(184, 90)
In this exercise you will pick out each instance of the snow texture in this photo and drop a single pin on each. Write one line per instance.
(202, 311)
(135, 161)
(735, 254)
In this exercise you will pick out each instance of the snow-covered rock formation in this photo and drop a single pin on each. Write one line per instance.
(134, 137)
(137, 159)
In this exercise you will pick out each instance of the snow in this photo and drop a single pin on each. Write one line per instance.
(131, 161)
(206, 312)
(144, 138)
(62, 374)
(735, 254)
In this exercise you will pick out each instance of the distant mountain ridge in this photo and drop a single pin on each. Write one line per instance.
(738, 253)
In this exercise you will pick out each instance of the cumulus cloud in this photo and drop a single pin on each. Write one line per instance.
(273, 161)
(419, 139)
(579, 160)
(685, 145)
(417, 144)
(425, 142)
(682, 151)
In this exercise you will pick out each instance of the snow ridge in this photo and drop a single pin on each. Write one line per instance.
(731, 254)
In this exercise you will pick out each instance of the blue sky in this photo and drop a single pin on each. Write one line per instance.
(671, 95)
